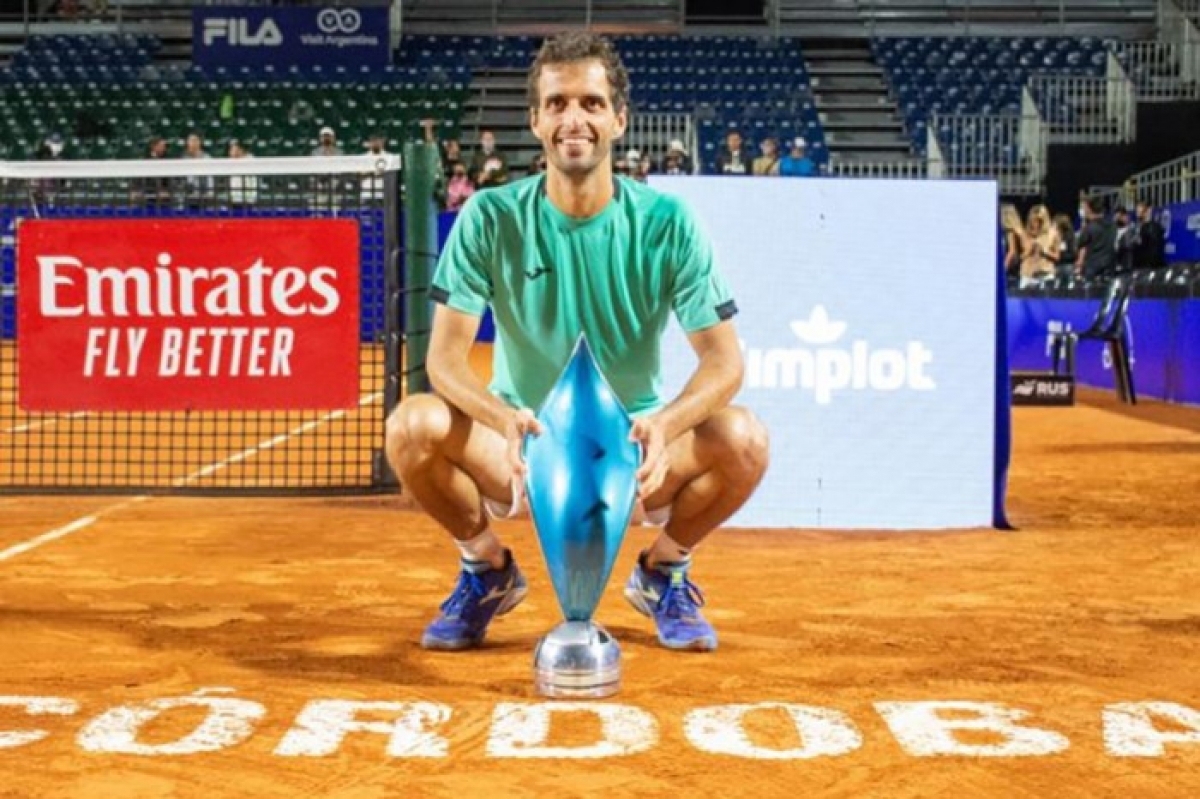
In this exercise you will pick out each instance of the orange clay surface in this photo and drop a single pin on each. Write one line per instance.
(1095, 600)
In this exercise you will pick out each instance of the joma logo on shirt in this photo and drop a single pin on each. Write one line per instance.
(534, 274)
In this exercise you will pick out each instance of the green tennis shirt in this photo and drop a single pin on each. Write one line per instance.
(615, 277)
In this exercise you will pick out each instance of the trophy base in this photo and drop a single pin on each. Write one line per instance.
(577, 660)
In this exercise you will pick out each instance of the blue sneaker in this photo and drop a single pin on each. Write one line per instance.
(674, 602)
(477, 598)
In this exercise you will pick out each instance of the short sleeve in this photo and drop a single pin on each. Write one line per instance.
(700, 296)
(463, 280)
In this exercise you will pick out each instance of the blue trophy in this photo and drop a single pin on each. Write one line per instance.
(581, 483)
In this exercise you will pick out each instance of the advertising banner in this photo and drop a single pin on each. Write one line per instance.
(140, 315)
(282, 36)
(1164, 337)
(1182, 225)
(869, 331)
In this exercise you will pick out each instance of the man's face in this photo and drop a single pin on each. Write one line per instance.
(575, 119)
(768, 147)
(735, 141)
(375, 144)
(159, 149)
(487, 141)
(452, 148)
(1143, 212)
(326, 140)
(193, 143)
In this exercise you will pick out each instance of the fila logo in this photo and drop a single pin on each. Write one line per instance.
(238, 33)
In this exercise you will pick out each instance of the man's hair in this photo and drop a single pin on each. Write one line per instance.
(575, 46)
(1095, 204)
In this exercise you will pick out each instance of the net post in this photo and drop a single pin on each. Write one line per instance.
(393, 332)
(421, 166)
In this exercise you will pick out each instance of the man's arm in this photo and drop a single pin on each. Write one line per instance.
(449, 368)
(712, 385)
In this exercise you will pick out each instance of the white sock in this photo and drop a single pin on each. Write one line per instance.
(666, 550)
(482, 551)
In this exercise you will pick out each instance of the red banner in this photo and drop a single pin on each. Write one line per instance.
(172, 315)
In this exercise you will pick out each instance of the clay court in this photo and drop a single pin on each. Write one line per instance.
(131, 601)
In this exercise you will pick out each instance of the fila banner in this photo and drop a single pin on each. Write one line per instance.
(871, 337)
(259, 36)
(180, 315)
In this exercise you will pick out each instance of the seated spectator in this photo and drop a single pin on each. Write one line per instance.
(797, 164)
(638, 166)
(734, 159)
(676, 161)
(1150, 239)
(1097, 257)
(538, 165)
(451, 155)
(1065, 262)
(768, 162)
(1041, 250)
(243, 189)
(371, 184)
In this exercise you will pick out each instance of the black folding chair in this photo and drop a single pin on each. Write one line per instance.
(1108, 326)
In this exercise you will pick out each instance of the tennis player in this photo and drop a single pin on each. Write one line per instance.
(574, 250)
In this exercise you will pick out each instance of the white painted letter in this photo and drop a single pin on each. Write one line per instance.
(923, 730)
(34, 706)
(229, 722)
(324, 723)
(823, 732)
(520, 730)
(1129, 729)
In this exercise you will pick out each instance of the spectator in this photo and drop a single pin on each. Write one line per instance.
(326, 187)
(1041, 247)
(459, 188)
(538, 165)
(797, 164)
(638, 166)
(1125, 234)
(1065, 262)
(243, 189)
(371, 183)
(734, 159)
(197, 189)
(489, 167)
(676, 161)
(451, 155)
(153, 192)
(1097, 257)
(768, 162)
(46, 189)
(1150, 239)
(1014, 239)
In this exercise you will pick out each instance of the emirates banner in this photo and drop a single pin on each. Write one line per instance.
(174, 315)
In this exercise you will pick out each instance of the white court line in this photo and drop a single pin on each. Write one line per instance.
(25, 428)
(270, 443)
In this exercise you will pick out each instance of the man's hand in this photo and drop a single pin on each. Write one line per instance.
(648, 431)
(521, 423)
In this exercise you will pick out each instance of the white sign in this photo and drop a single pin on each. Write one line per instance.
(867, 317)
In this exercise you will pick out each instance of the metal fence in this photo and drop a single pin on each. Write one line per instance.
(263, 450)
(652, 134)
(1155, 69)
(1175, 181)
(1008, 148)
(910, 168)
(1087, 110)
(1179, 26)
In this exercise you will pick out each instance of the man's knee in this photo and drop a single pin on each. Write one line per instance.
(741, 440)
(417, 429)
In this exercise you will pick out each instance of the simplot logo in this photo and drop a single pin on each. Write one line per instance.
(826, 365)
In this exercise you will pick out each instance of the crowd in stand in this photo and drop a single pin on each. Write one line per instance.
(1101, 245)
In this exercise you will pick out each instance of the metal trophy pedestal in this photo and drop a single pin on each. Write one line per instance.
(577, 660)
(581, 484)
